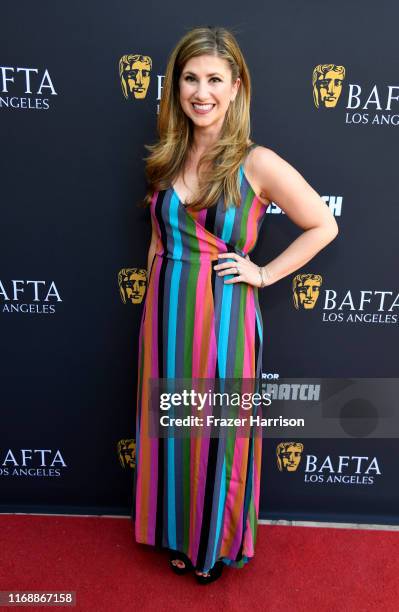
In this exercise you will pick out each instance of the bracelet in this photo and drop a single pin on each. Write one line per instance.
(261, 270)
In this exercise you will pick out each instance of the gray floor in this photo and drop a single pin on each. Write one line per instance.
(261, 522)
(337, 525)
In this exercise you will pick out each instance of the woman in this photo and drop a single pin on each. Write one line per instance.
(209, 188)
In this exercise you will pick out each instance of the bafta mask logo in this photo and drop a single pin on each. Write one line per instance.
(132, 283)
(289, 456)
(327, 81)
(305, 290)
(127, 453)
(134, 73)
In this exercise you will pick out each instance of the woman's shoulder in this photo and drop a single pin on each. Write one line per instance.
(259, 153)
(260, 160)
(263, 162)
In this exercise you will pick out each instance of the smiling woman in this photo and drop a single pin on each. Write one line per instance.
(199, 496)
(207, 92)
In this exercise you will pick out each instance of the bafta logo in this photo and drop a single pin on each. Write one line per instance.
(305, 290)
(132, 283)
(289, 456)
(327, 81)
(134, 73)
(127, 453)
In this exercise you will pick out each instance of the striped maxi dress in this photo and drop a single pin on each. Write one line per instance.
(199, 496)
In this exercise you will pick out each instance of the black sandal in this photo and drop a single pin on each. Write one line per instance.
(179, 556)
(214, 573)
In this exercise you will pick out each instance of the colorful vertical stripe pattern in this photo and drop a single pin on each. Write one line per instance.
(200, 495)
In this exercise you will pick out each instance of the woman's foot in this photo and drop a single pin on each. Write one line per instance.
(214, 573)
(206, 574)
(180, 563)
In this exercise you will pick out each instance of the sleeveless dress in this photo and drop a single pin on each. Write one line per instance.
(198, 496)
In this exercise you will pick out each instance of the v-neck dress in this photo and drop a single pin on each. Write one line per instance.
(199, 496)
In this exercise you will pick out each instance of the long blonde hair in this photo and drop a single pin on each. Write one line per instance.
(168, 155)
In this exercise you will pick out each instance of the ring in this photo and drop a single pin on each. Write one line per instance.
(237, 270)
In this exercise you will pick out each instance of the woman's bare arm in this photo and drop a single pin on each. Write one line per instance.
(285, 186)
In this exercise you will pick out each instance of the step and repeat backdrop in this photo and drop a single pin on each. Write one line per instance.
(81, 85)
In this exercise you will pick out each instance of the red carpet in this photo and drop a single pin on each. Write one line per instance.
(295, 569)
